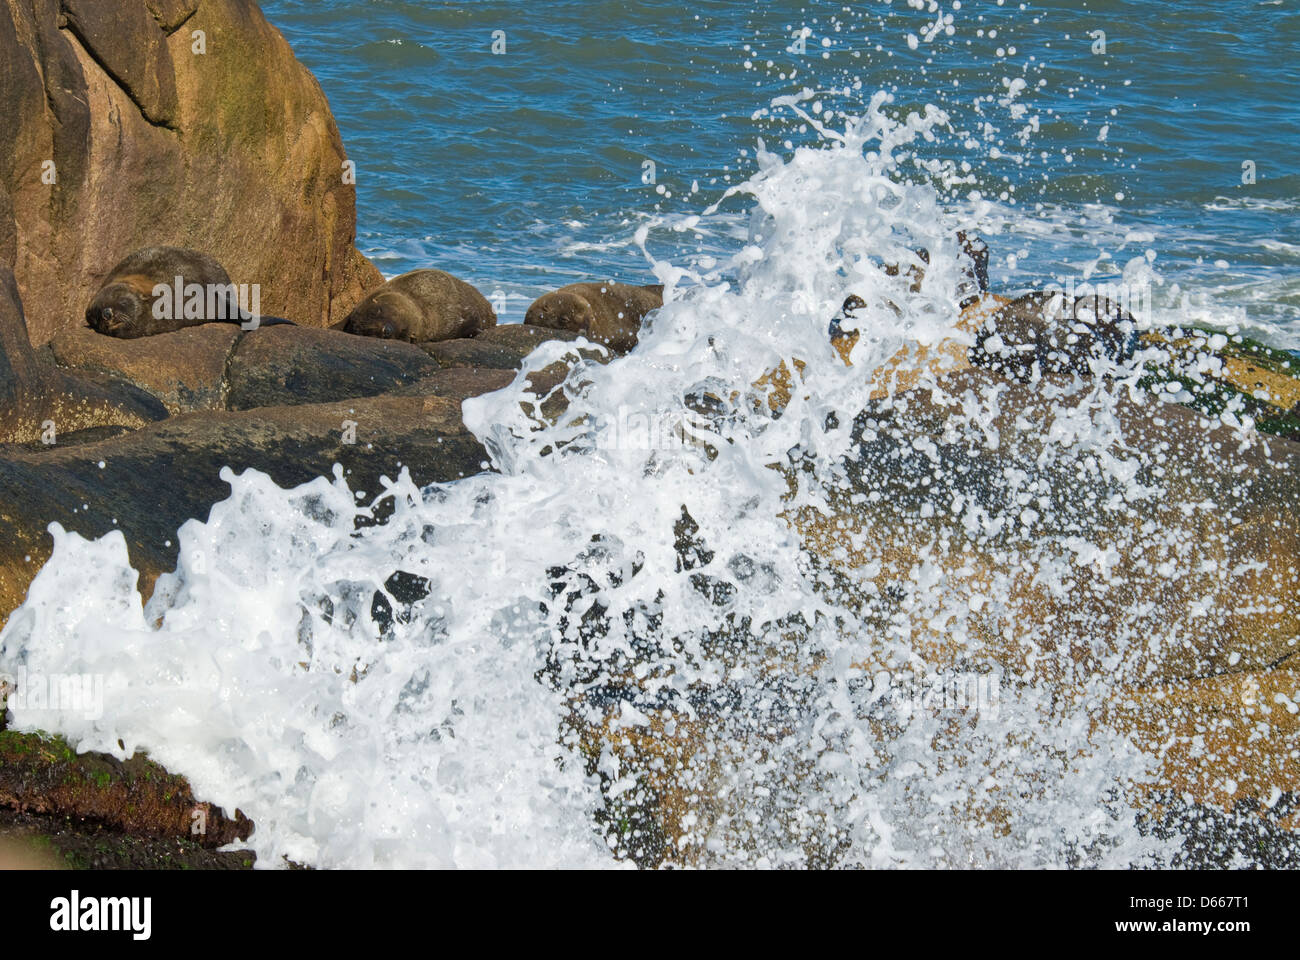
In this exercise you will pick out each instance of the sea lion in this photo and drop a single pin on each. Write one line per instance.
(162, 289)
(608, 313)
(1059, 335)
(422, 306)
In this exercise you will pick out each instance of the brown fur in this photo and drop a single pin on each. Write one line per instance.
(608, 313)
(124, 305)
(422, 306)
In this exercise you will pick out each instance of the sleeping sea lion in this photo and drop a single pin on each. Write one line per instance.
(608, 313)
(162, 289)
(422, 306)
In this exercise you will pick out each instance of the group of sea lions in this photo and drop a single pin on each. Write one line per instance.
(1036, 331)
(420, 306)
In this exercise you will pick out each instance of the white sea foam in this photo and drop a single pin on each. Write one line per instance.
(438, 739)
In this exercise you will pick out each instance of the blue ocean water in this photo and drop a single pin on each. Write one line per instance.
(510, 142)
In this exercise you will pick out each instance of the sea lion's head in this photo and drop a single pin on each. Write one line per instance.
(565, 310)
(388, 315)
(121, 310)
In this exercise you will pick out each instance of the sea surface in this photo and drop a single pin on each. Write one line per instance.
(526, 167)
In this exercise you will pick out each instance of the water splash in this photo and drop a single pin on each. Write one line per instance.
(681, 623)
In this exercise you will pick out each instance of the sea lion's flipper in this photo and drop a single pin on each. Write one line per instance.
(254, 323)
(237, 314)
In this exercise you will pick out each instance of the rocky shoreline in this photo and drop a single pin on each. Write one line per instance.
(136, 122)
(100, 434)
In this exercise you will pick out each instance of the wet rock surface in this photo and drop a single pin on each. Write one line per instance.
(987, 495)
(44, 776)
(30, 841)
(184, 370)
(147, 483)
(277, 366)
(38, 400)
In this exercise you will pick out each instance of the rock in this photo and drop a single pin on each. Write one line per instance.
(524, 337)
(149, 482)
(88, 435)
(503, 347)
(457, 383)
(506, 348)
(218, 366)
(1007, 341)
(1070, 569)
(1240, 718)
(40, 403)
(1058, 334)
(1211, 371)
(232, 151)
(473, 352)
(277, 366)
(136, 796)
(185, 369)
(901, 372)
(36, 841)
(1096, 329)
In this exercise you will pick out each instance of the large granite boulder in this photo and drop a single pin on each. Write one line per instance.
(1127, 566)
(221, 367)
(503, 347)
(1067, 534)
(149, 482)
(40, 403)
(131, 123)
(524, 338)
(288, 365)
(471, 352)
(185, 370)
